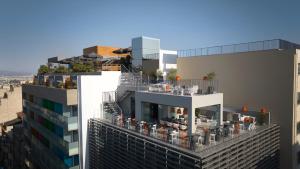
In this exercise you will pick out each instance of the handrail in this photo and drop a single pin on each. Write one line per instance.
(237, 48)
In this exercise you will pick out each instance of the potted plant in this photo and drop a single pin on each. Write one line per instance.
(60, 85)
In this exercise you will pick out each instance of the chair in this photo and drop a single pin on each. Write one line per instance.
(200, 141)
(231, 131)
(153, 130)
(212, 139)
(142, 126)
(242, 126)
(198, 121)
(128, 123)
(173, 137)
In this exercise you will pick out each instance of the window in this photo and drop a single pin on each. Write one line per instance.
(298, 157)
(298, 128)
(298, 68)
(74, 136)
(298, 98)
(31, 98)
(24, 96)
(74, 111)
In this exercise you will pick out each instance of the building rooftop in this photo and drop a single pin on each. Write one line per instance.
(195, 144)
(238, 48)
(174, 126)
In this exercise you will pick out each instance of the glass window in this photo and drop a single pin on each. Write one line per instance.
(298, 128)
(31, 98)
(74, 110)
(298, 98)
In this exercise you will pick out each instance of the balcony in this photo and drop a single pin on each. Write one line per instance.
(69, 123)
(69, 147)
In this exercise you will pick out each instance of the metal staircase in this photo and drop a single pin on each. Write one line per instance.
(111, 109)
(129, 82)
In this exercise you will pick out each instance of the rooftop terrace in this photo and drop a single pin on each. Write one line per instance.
(207, 139)
(173, 128)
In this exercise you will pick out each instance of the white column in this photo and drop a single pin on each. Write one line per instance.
(191, 122)
(221, 113)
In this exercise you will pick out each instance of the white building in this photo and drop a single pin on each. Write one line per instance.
(146, 53)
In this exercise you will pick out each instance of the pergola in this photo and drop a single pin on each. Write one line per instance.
(189, 102)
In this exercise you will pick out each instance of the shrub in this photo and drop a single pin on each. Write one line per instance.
(43, 70)
(172, 74)
(61, 69)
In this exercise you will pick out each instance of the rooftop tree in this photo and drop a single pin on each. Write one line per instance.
(61, 69)
(172, 74)
(44, 69)
(81, 67)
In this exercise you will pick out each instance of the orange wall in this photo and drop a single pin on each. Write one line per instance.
(105, 51)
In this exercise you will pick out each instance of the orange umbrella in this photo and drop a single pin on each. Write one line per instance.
(244, 109)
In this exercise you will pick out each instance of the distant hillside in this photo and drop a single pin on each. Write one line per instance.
(12, 73)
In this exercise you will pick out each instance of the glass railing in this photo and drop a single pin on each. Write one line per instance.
(185, 87)
(237, 48)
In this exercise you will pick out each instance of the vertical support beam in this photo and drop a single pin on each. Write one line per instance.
(191, 118)
(138, 109)
(221, 113)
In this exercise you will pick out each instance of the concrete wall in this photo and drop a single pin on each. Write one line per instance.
(150, 66)
(10, 106)
(63, 96)
(90, 89)
(257, 79)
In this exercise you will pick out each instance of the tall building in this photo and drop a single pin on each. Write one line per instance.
(256, 74)
(57, 108)
(12, 144)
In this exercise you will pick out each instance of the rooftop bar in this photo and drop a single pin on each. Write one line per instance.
(187, 115)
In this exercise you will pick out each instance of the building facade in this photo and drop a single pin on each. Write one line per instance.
(57, 108)
(179, 125)
(258, 74)
(51, 126)
(115, 147)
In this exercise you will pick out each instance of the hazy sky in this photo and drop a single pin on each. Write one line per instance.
(33, 30)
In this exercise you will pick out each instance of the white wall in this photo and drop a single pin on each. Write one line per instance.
(90, 89)
(167, 60)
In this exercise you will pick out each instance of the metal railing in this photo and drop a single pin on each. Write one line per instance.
(111, 67)
(237, 48)
(204, 150)
(204, 86)
(152, 56)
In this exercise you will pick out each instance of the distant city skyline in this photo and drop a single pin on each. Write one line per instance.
(32, 31)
